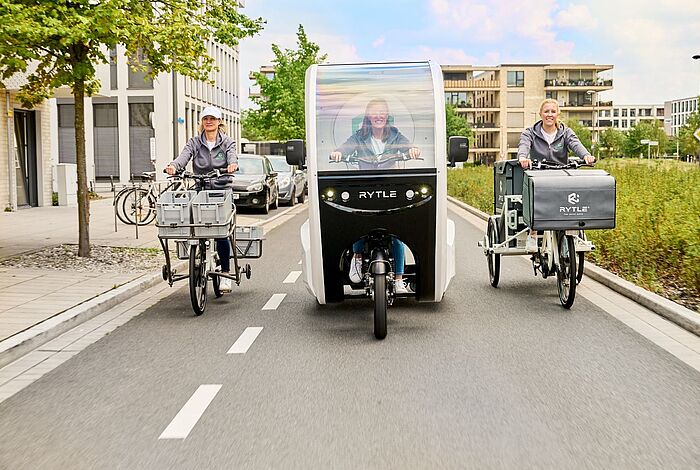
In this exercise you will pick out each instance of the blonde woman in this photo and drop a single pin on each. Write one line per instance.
(548, 139)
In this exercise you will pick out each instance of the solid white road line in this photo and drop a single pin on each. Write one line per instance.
(292, 277)
(274, 302)
(188, 416)
(245, 340)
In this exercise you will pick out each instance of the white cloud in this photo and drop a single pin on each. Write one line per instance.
(576, 17)
(378, 42)
(441, 55)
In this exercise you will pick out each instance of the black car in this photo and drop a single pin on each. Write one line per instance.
(255, 182)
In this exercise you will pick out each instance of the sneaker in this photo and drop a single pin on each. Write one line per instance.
(355, 273)
(224, 284)
(401, 287)
(531, 244)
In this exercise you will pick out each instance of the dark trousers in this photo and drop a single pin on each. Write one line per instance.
(223, 248)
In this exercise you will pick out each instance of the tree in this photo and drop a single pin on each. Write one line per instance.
(584, 135)
(65, 40)
(688, 144)
(649, 130)
(611, 143)
(280, 114)
(456, 123)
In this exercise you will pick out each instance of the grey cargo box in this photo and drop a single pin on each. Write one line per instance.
(568, 199)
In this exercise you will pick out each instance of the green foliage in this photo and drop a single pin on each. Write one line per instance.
(280, 114)
(650, 130)
(611, 143)
(583, 134)
(689, 145)
(656, 242)
(456, 123)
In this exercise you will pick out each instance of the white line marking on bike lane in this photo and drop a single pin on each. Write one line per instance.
(188, 416)
(292, 277)
(274, 302)
(245, 341)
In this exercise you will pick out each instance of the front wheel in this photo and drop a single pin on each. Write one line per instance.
(380, 306)
(566, 270)
(494, 259)
(198, 277)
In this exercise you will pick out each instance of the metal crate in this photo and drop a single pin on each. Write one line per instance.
(249, 240)
(173, 214)
(212, 214)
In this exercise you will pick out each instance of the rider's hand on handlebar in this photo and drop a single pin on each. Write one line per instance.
(336, 156)
(171, 170)
(589, 159)
(414, 152)
(232, 167)
(525, 163)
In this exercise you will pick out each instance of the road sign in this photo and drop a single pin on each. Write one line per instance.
(697, 133)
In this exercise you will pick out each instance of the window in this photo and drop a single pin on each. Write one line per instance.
(113, 68)
(139, 79)
(624, 113)
(106, 140)
(66, 133)
(616, 112)
(140, 133)
(551, 95)
(515, 99)
(616, 123)
(515, 119)
(513, 139)
(516, 78)
(624, 123)
(633, 112)
(455, 75)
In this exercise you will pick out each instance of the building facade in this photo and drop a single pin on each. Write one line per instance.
(677, 113)
(624, 117)
(500, 101)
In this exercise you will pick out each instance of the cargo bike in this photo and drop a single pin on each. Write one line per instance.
(193, 220)
(560, 202)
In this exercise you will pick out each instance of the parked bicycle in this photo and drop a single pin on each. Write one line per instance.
(137, 204)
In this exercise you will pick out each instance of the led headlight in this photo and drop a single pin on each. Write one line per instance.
(284, 181)
(328, 194)
(255, 187)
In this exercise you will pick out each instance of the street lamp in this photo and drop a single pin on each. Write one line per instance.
(591, 93)
(696, 57)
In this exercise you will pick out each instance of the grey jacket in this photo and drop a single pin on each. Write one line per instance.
(204, 161)
(395, 142)
(534, 146)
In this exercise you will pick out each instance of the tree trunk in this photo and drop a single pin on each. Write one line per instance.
(83, 199)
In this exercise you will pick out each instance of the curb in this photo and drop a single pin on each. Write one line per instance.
(678, 314)
(22, 343)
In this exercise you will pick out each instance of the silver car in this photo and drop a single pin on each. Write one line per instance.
(291, 180)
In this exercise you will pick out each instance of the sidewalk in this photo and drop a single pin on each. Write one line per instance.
(31, 297)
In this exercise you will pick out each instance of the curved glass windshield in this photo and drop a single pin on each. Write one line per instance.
(280, 164)
(250, 166)
(372, 117)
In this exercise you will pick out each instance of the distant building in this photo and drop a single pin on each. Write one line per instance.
(624, 117)
(676, 113)
(500, 101)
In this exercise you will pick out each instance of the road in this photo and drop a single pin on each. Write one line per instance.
(488, 378)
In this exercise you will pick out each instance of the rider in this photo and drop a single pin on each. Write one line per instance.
(551, 140)
(374, 137)
(209, 150)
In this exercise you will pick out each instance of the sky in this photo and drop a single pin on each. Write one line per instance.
(649, 43)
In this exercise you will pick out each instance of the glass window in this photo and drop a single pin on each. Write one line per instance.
(624, 112)
(375, 113)
(280, 164)
(250, 166)
(516, 78)
(624, 123)
(616, 112)
(633, 112)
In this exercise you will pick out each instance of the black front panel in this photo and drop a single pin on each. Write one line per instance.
(507, 181)
(351, 206)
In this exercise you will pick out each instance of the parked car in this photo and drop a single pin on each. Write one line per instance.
(255, 182)
(291, 180)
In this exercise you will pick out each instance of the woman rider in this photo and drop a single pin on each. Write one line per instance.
(211, 149)
(548, 139)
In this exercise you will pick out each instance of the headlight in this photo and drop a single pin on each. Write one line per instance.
(284, 181)
(255, 187)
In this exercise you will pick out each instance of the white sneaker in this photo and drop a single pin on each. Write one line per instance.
(224, 284)
(355, 273)
(531, 244)
(401, 287)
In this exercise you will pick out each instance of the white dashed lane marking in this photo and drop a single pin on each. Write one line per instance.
(274, 302)
(188, 416)
(245, 341)
(292, 277)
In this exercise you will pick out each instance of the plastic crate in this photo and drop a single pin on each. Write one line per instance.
(212, 214)
(172, 212)
(249, 241)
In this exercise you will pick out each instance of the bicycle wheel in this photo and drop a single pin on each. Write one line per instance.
(139, 206)
(566, 270)
(216, 283)
(198, 277)
(119, 204)
(579, 267)
(380, 306)
(493, 259)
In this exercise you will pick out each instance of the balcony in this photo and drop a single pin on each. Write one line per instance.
(483, 125)
(473, 84)
(588, 83)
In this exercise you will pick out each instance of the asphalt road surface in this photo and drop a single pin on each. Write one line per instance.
(488, 378)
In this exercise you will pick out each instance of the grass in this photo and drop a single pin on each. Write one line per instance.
(656, 242)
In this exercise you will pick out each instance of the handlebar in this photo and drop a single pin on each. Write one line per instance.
(199, 177)
(379, 159)
(573, 163)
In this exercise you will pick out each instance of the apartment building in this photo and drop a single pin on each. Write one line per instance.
(677, 113)
(624, 117)
(25, 150)
(135, 124)
(500, 101)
